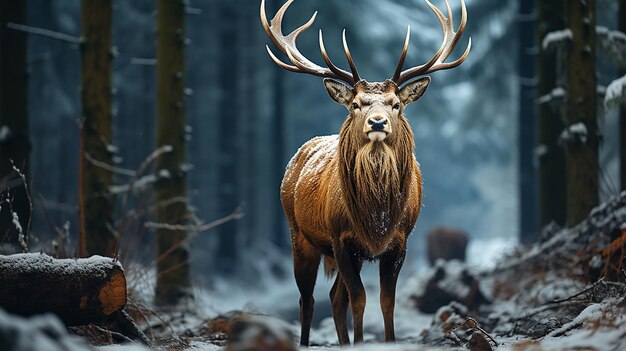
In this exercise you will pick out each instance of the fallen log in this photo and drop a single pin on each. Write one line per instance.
(78, 291)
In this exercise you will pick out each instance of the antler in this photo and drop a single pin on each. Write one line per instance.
(450, 39)
(287, 44)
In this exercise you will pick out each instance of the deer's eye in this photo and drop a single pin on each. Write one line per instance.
(355, 106)
(396, 106)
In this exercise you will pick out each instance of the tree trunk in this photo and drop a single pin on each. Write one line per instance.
(14, 133)
(527, 137)
(96, 204)
(621, 25)
(79, 291)
(551, 156)
(173, 281)
(581, 150)
(228, 137)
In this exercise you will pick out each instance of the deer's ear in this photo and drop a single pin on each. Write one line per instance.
(339, 91)
(414, 90)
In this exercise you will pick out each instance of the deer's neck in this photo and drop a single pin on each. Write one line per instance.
(375, 182)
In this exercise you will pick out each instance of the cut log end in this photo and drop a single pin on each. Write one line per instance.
(112, 295)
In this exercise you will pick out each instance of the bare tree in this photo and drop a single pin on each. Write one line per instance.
(173, 268)
(95, 200)
(581, 133)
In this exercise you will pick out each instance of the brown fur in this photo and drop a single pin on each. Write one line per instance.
(355, 197)
(446, 243)
(376, 179)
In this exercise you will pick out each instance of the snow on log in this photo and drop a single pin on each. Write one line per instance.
(79, 291)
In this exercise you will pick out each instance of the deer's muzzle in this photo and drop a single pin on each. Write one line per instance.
(377, 127)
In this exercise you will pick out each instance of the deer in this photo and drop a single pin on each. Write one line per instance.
(446, 243)
(355, 196)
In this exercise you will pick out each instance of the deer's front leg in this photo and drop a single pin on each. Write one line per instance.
(340, 300)
(390, 265)
(349, 267)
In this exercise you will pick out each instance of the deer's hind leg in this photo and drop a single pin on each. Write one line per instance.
(306, 261)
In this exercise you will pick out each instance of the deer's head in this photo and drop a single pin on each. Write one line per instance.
(375, 108)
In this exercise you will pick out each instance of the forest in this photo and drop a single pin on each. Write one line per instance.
(170, 180)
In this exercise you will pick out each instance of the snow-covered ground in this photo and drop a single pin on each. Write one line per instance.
(279, 298)
(600, 326)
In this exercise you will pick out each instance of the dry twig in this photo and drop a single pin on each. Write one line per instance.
(474, 325)
(194, 229)
(108, 167)
(142, 167)
(585, 290)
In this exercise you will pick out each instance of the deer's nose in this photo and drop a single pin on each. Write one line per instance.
(377, 123)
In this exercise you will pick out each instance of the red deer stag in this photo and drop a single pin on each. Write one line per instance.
(356, 196)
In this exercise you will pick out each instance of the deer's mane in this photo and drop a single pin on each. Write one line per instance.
(375, 179)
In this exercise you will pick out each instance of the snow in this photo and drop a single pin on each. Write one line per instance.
(112, 148)
(164, 173)
(326, 146)
(540, 151)
(40, 262)
(485, 253)
(596, 331)
(615, 93)
(576, 131)
(5, 134)
(556, 39)
(39, 333)
(557, 94)
(591, 328)
(187, 167)
(140, 184)
(135, 347)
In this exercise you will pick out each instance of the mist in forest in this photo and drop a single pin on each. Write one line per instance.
(159, 140)
(465, 130)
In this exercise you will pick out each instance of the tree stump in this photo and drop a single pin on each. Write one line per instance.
(78, 291)
(446, 243)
